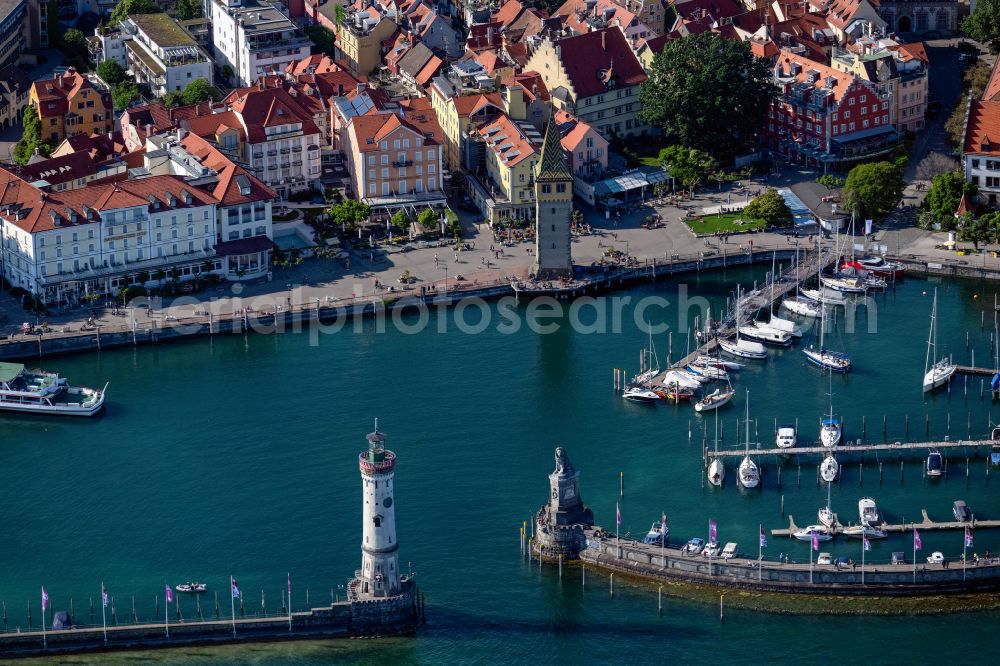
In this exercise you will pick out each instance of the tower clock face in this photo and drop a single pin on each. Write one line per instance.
(387, 502)
(569, 493)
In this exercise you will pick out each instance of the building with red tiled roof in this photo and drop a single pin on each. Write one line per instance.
(504, 166)
(395, 159)
(70, 170)
(586, 150)
(583, 16)
(827, 117)
(98, 146)
(851, 18)
(596, 77)
(71, 103)
(138, 122)
(100, 238)
(518, 22)
(919, 15)
(981, 149)
(992, 91)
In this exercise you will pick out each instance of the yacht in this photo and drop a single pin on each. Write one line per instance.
(787, 325)
(766, 334)
(826, 514)
(640, 393)
(824, 297)
(937, 372)
(829, 468)
(709, 373)
(679, 378)
(657, 535)
(830, 432)
(830, 360)
(191, 588)
(786, 438)
(857, 531)
(846, 285)
(868, 512)
(820, 531)
(801, 306)
(934, 464)
(714, 400)
(749, 473)
(743, 348)
(41, 392)
(721, 364)
(877, 266)
(716, 470)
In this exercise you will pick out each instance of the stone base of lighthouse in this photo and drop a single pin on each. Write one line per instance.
(383, 616)
(565, 540)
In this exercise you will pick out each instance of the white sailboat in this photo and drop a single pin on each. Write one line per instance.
(826, 514)
(638, 389)
(857, 531)
(823, 357)
(828, 469)
(716, 470)
(797, 305)
(749, 473)
(714, 400)
(742, 348)
(937, 372)
(824, 297)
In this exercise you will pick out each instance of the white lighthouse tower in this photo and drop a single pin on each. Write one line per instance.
(379, 550)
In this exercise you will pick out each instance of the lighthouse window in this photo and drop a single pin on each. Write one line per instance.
(387, 502)
(378, 522)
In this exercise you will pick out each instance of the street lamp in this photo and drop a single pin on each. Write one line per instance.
(446, 276)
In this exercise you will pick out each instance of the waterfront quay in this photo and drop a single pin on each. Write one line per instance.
(926, 524)
(668, 565)
(983, 446)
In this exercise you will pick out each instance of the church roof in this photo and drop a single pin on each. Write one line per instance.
(552, 165)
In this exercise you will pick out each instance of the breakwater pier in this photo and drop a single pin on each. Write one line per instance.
(926, 524)
(981, 446)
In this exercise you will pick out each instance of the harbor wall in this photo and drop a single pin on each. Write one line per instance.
(347, 619)
(881, 579)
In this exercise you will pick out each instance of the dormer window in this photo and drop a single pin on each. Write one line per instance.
(154, 202)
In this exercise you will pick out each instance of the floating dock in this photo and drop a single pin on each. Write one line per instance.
(890, 447)
(925, 524)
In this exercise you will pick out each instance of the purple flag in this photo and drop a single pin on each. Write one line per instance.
(815, 540)
(289, 585)
(916, 539)
(104, 595)
(618, 514)
(713, 531)
(867, 543)
(968, 537)
(45, 599)
(763, 538)
(236, 590)
(169, 593)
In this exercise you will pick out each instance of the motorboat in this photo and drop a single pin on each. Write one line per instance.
(765, 334)
(722, 364)
(961, 511)
(934, 464)
(846, 285)
(693, 546)
(868, 512)
(937, 557)
(824, 297)
(858, 531)
(877, 266)
(714, 400)
(830, 432)
(801, 307)
(709, 373)
(657, 535)
(787, 325)
(640, 393)
(42, 392)
(191, 588)
(937, 372)
(712, 549)
(787, 437)
(828, 360)
(743, 349)
(829, 468)
(680, 378)
(716, 473)
(873, 282)
(820, 531)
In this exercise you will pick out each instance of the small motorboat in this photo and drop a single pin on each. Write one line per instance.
(828, 360)
(801, 307)
(857, 531)
(872, 282)
(934, 464)
(786, 438)
(765, 334)
(830, 432)
(714, 400)
(722, 364)
(787, 325)
(743, 349)
(824, 297)
(191, 588)
(868, 512)
(846, 285)
(716, 473)
(639, 393)
(961, 511)
(658, 534)
(806, 534)
(828, 469)
(877, 266)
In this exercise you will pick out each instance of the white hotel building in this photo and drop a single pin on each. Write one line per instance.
(254, 39)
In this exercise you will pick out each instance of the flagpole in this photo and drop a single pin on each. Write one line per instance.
(760, 553)
(965, 550)
(618, 524)
(104, 622)
(166, 615)
(232, 602)
(289, 602)
(914, 552)
(45, 643)
(863, 537)
(811, 546)
(663, 538)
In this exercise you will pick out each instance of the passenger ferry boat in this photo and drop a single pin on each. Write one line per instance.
(40, 392)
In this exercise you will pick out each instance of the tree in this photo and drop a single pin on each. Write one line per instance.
(74, 47)
(983, 24)
(708, 93)
(943, 198)
(112, 73)
(873, 189)
(770, 207)
(188, 9)
(975, 231)
(123, 94)
(400, 220)
(934, 164)
(992, 220)
(830, 181)
(199, 90)
(349, 213)
(688, 165)
(322, 38)
(126, 7)
(31, 138)
(427, 218)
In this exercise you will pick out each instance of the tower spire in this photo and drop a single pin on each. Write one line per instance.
(552, 164)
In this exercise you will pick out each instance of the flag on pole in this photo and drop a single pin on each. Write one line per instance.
(815, 540)
(868, 227)
(867, 543)
(968, 537)
(916, 539)
(289, 585)
(45, 599)
(104, 595)
(763, 538)
(618, 514)
(169, 593)
(713, 531)
(663, 524)
(236, 590)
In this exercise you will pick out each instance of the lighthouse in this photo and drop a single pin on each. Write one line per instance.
(379, 550)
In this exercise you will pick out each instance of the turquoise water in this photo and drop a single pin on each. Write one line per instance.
(237, 456)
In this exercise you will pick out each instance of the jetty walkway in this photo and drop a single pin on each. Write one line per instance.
(892, 447)
(901, 528)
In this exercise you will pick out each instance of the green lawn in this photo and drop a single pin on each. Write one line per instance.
(650, 161)
(725, 223)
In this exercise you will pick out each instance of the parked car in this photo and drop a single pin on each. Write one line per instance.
(693, 547)
(937, 557)
(961, 511)
(842, 562)
(729, 552)
(898, 557)
(824, 558)
(711, 549)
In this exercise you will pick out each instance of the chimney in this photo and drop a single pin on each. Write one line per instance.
(149, 129)
(604, 40)
(260, 84)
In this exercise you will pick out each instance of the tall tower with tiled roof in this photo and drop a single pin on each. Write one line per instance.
(553, 206)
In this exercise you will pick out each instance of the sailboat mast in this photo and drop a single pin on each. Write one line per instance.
(930, 335)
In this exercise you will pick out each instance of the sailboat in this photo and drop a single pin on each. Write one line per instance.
(828, 469)
(800, 306)
(937, 372)
(716, 470)
(714, 400)
(749, 473)
(826, 514)
(823, 357)
(639, 389)
(742, 348)
(830, 430)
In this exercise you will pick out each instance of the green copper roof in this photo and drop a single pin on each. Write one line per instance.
(553, 165)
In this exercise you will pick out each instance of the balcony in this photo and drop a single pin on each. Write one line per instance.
(283, 151)
(272, 153)
(402, 164)
(296, 149)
